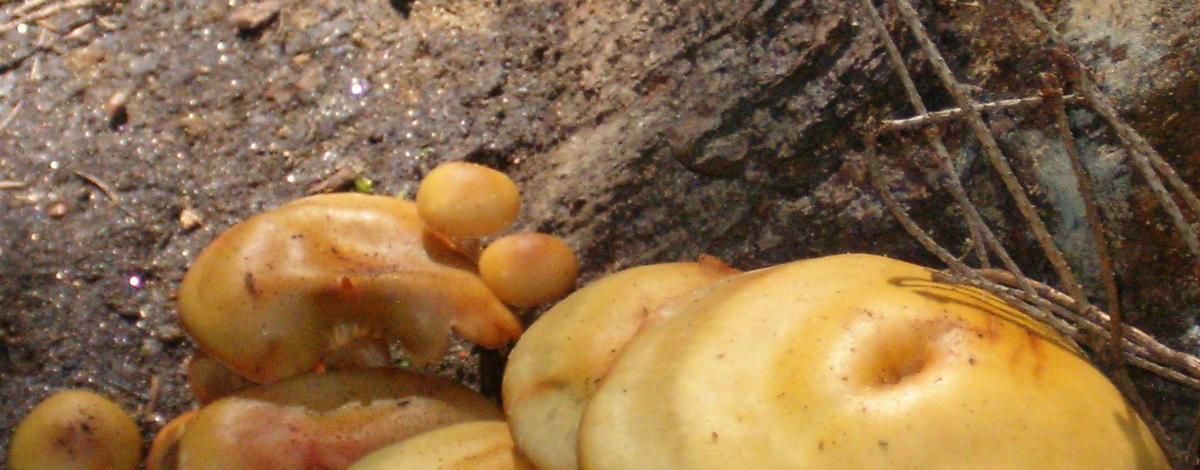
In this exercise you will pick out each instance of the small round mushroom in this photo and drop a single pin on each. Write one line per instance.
(76, 430)
(465, 200)
(267, 297)
(479, 445)
(856, 362)
(557, 365)
(324, 420)
(528, 269)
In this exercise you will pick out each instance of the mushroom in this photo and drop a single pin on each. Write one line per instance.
(266, 297)
(75, 430)
(209, 380)
(528, 269)
(480, 445)
(323, 420)
(556, 366)
(465, 200)
(164, 450)
(854, 362)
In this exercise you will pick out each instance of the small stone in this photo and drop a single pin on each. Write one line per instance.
(169, 333)
(57, 210)
(253, 16)
(190, 218)
(116, 110)
(151, 346)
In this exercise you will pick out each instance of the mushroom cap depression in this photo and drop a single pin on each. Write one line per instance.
(479, 445)
(855, 362)
(266, 297)
(323, 420)
(554, 369)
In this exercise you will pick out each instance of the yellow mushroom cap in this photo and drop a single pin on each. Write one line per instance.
(324, 420)
(556, 366)
(164, 450)
(267, 297)
(465, 200)
(528, 269)
(856, 362)
(479, 445)
(76, 430)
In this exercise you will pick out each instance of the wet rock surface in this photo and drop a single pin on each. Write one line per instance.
(638, 131)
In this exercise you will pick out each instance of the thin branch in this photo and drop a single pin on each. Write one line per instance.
(953, 114)
(7, 184)
(901, 216)
(1018, 299)
(1084, 180)
(104, 188)
(11, 115)
(97, 182)
(992, 150)
(933, 136)
(1157, 351)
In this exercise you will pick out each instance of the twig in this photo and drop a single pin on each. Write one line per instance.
(992, 150)
(1145, 158)
(872, 161)
(975, 227)
(946, 115)
(1020, 300)
(6, 184)
(1156, 350)
(1083, 178)
(11, 115)
(94, 181)
(148, 408)
(108, 192)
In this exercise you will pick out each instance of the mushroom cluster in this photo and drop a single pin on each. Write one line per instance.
(842, 362)
(294, 312)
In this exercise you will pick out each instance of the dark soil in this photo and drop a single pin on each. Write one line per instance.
(639, 131)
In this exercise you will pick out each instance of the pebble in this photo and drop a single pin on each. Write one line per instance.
(169, 333)
(253, 16)
(115, 108)
(57, 210)
(190, 218)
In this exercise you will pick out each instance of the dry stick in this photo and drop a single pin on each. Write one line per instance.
(1001, 284)
(992, 150)
(901, 216)
(1018, 299)
(11, 115)
(975, 226)
(6, 184)
(1083, 178)
(947, 115)
(1158, 351)
(1145, 158)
